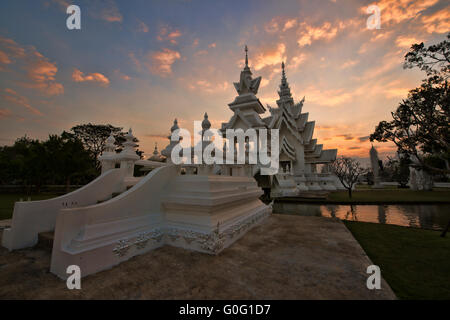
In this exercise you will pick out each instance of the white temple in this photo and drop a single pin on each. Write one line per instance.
(299, 152)
(194, 206)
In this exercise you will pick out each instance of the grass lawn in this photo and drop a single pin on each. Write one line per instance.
(7, 201)
(415, 262)
(390, 196)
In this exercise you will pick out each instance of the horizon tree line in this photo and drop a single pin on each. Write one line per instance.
(65, 159)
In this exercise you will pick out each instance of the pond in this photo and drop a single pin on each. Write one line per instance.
(426, 216)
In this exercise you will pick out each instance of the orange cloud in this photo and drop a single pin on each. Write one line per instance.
(390, 61)
(381, 36)
(11, 49)
(349, 63)
(272, 26)
(308, 33)
(110, 12)
(348, 144)
(200, 52)
(296, 61)
(4, 113)
(328, 98)
(406, 41)
(270, 56)
(63, 4)
(289, 24)
(15, 98)
(121, 75)
(208, 86)
(142, 27)
(40, 73)
(161, 61)
(4, 59)
(394, 11)
(174, 34)
(277, 24)
(79, 76)
(135, 61)
(396, 88)
(165, 35)
(438, 22)
(397, 92)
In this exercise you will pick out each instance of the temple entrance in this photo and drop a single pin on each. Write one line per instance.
(285, 166)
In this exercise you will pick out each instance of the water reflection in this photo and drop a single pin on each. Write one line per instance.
(427, 216)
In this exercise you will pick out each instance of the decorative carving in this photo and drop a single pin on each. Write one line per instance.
(140, 242)
(212, 242)
(122, 247)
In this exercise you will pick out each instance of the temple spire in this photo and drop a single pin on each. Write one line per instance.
(246, 57)
(206, 125)
(175, 126)
(246, 83)
(285, 91)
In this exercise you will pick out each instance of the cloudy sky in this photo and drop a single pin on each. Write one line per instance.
(142, 63)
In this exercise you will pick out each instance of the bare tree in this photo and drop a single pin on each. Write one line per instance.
(348, 171)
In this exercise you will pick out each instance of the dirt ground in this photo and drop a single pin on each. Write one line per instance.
(286, 257)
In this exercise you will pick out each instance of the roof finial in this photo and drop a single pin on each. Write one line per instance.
(175, 126)
(285, 91)
(283, 74)
(206, 125)
(246, 56)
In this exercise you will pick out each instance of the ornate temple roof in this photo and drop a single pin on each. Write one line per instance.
(247, 110)
(246, 84)
(290, 114)
(156, 156)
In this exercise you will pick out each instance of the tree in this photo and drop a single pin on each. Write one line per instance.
(397, 169)
(30, 160)
(68, 158)
(93, 136)
(420, 125)
(57, 160)
(348, 171)
(434, 60)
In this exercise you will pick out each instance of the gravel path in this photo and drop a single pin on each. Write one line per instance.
(286, 257)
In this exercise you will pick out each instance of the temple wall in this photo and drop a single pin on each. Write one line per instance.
(202, 212)
(33, 217)
(299, 166)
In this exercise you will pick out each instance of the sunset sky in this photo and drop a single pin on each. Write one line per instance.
(141, 64)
